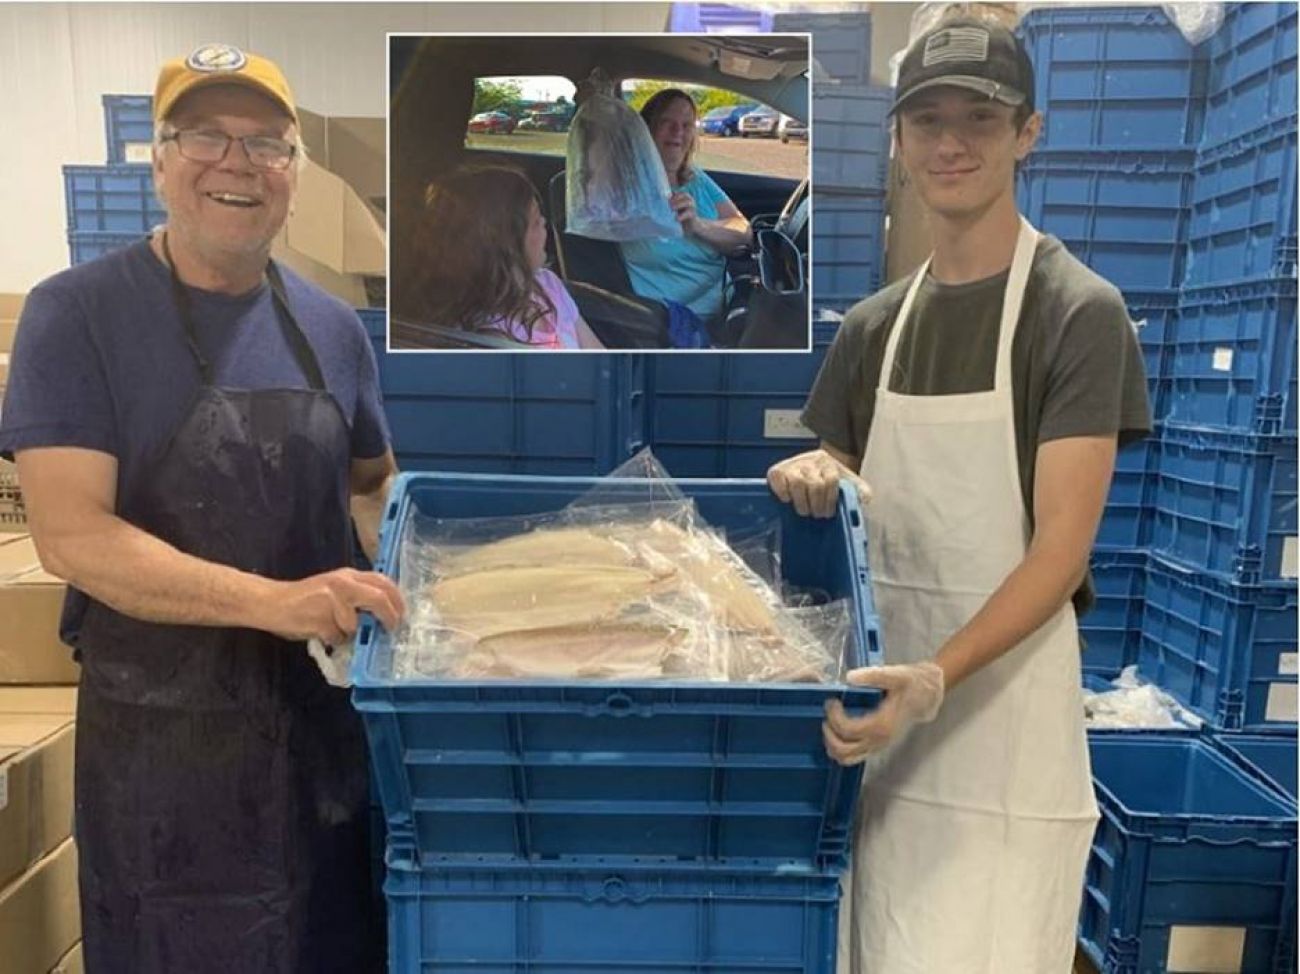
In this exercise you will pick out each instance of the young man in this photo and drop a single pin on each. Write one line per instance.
(191, 425)
(982, 400)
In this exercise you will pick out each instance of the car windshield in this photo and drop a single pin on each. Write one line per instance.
(721, 112)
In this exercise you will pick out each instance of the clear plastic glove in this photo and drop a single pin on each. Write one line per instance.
(811, 482)
(334, 662)
(913, 695)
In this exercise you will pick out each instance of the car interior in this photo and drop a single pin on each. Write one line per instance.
(766, 292)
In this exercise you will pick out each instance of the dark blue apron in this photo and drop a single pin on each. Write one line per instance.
(221, 783)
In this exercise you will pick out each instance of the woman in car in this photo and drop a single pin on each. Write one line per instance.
(687, 270)
(481, 243)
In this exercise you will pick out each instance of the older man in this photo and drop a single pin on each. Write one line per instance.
(191, 425)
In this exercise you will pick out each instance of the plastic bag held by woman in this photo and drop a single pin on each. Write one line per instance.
(615, 185)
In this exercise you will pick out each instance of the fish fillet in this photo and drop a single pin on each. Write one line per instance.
(704, 562)
(609, 651)
(561, 546)
(485, 603)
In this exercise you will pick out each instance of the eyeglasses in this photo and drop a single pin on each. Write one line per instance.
(263, 151)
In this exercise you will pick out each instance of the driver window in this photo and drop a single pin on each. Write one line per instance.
(736, 133)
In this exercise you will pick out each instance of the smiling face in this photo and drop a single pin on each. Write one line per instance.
(960, 150)
(673, 130)
(229, 209)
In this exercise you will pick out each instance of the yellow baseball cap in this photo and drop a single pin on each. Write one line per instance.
(220, 64)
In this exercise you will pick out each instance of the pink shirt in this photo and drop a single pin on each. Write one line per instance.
(559, 330)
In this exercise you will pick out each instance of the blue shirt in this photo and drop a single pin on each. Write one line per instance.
(679, 268)
(100, 361)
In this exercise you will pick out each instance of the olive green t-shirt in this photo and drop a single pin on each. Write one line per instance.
(1076, 363)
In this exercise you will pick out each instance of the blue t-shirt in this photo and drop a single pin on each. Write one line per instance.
(100, 361)
(678, 268)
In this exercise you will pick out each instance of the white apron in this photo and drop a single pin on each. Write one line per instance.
(974, 829)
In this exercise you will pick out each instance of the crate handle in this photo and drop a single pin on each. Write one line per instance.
(618, 704)
(616, 890)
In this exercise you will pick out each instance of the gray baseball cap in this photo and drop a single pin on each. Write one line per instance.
(972, 53)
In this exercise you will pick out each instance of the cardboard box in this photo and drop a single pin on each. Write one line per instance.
(13, 512)
(71, 963)
(40, 914)
(31, 601)
(36, 754)
(353, 148)
(332, 225)
(38, 700)
(350, 288)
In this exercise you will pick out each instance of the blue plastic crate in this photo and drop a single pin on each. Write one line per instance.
(1112, 630)
(1244, 208)
(128, 128)
(507, 921)
(848, 248)
(841, 44)
(732, 415)
(1271, 757)
(1232, 358)
(1114, 77)
(1155, 319)
(1252, 77)
(1186, 840)
(1126, 520)
(704, 774)
(1124, 214)
(851, 145)
(1225, 651)
(1225, 503)
(493, 412)
(87, 245)
(111, 199)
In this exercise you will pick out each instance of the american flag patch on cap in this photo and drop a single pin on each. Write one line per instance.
(956, 44)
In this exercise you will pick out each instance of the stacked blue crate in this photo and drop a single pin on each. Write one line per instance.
(1122, 94)
(732, 415)
(614, 826)
(1171, 171)
(1219, 625)
(114, 205)
(850, 156)
(1187, 841)
(487, 412)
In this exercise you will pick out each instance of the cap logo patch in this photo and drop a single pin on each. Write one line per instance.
(956, 44)
(216, 57)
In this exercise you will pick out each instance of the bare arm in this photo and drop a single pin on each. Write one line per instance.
(370, 481)
(70, 495)
(727, 233)
(587, 338)
(1071, 478)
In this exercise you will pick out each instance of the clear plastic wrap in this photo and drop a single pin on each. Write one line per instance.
(1135, 704)
(626, 583)
(615, 184)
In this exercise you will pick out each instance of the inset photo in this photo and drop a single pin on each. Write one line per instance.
(599, 192)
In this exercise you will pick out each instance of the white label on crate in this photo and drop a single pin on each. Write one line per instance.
(1288, 664)
(4, 789)
(783, 424)
(137, 152)
(1290, 557)
(1222, 360)
(1206, 950)
(1283, 702)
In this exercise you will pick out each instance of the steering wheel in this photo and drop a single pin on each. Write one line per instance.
(793, 220)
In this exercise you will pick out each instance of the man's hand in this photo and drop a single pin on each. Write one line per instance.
(913, 695)
(811, 482)
(325, 606)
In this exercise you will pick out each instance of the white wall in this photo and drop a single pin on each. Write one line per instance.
(56, 60)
